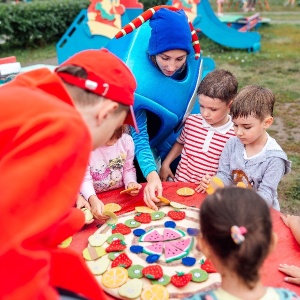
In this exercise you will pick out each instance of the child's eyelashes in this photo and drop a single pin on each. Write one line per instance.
(244, 127)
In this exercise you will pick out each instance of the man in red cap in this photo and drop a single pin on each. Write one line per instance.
(50, 122)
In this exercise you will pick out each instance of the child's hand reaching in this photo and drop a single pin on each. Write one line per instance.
(165, 172)
(136, 188)
(82, 203)
(203, 184)
(97, 207)
(292, 271)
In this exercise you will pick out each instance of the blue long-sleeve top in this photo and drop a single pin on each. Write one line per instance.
(143, 150)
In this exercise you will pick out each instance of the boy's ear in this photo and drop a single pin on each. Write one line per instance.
(268, 122)
(274, 241)
(106, 109)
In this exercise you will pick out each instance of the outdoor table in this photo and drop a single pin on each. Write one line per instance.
(287, 250)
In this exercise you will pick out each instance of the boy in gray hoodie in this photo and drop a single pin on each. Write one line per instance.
(253, 159)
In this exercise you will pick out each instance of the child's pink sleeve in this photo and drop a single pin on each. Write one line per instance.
(87, 187)
(129, 172)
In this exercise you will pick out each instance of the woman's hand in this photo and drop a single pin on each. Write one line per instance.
(137, 187)
(292, 271)
(203, 184)
(152, 187)
(97, 207)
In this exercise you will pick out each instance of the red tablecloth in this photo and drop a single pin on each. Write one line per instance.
(287, 250)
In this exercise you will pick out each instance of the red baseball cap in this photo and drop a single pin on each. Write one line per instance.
(107, 76)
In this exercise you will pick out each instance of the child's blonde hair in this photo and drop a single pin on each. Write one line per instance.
(253, 100)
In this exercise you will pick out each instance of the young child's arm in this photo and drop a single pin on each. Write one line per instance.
(165, 170)
(270, 179)
(97, 207)
(227, 155)
(129, 172)
(89, 193)
(293, 222)
(81, 202)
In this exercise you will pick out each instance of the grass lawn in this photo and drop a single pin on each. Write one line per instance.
(276, 66)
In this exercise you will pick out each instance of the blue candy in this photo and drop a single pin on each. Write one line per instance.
(152, 258)
(192, 231)
(136, 249)
(170, 224)
(188, 261)
(139, 232)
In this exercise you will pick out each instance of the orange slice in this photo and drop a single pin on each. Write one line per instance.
(127, 191)
(155, 292)
(185, 191)
(114, 277)
(163, 199)
(144, 209)
(113, 207)
(214, 183)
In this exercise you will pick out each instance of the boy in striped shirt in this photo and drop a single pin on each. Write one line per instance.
(204, 135)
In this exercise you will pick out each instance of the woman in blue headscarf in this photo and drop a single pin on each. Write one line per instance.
(170, 43)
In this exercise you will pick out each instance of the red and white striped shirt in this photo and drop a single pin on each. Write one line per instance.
(203, 145)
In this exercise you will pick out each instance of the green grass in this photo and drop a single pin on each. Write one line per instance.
(27, 56)
(276, 66)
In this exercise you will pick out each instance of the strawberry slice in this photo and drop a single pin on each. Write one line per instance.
(116, 246)
(176, 215)
(208, 266)
(153, 272)
(181, 279)
(143, 218)
(120, 228)
(122, 260)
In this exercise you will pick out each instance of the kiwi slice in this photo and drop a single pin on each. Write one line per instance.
(157, 215)
(135, 271)
(113, 255)
(162, 281)
(199, 275)
(132, 223)
(115, 236)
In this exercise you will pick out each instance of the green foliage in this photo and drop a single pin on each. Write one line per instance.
(150, 3)
(37, 23)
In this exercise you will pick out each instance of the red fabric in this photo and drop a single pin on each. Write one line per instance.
(44, 150)
(287, 250)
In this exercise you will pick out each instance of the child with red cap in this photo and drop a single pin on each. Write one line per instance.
(50, 122)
